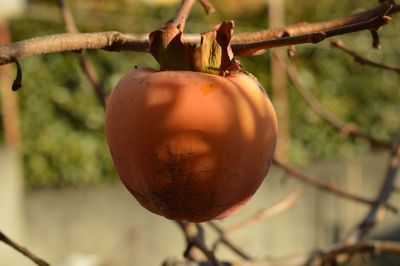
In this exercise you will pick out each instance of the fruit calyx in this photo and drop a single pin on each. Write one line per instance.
(212, 55)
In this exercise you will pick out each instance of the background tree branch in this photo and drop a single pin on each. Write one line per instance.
(24, 251)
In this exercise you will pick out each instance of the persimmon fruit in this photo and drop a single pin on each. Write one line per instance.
(189, 145)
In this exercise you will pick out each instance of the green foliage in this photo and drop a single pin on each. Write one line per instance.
(62, 122)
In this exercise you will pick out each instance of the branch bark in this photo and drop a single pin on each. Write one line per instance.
(182, 13)
(299, 175)
(38, 261)
(362, 60)
(194, 239)
(84, 60)
(363, 230)
(224, 240)
(265, 213)
(345, 128)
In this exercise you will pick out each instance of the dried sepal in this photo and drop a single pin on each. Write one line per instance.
(214, 54)
(168, 49)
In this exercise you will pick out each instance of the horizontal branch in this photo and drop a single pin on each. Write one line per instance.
(305, 27)
(66, 42)
(242, 44)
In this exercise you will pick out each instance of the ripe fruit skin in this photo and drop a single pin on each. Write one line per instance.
(189, 145)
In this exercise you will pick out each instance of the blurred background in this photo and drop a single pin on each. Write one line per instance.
(59, 194)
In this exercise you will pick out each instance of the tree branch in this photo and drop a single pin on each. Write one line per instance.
(363, 230)
(299, 175)
(67, 42)
(208, 7)
(319, 258)
(362, 60)
(224, 240)
(306, 28)
(195, 239)
(344, 127)
(376, 247)
(84, 59)
(242, 44)
(22, 250)
(182, 13)
(252, 43)
(265, 213)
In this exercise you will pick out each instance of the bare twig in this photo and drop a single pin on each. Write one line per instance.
(362, 60)
(376, 40)
(374, 247)
(182, 13)
(195, 239)
(363, 230)
(224, 240)
(344, 127)
(278, 207)
(208, 7)
(22, 250)
(69, 22)
(84, 59)
(299, 175)
(242, 44)
(311, 32)
(17, 83)
(305, 27)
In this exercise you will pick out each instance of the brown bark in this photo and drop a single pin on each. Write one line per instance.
(9, 103)
(279, 81)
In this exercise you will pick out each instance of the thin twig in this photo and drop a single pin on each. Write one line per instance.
(363, 230)
(183, 13)
(69, 22)
(376, 40)
(208, 7)
(265, 213)
(362, 60)
(17, 83)
(22, 250)
(224, 240)
(344, 127)
(194, 239)
(84, 60)
(299, 175)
